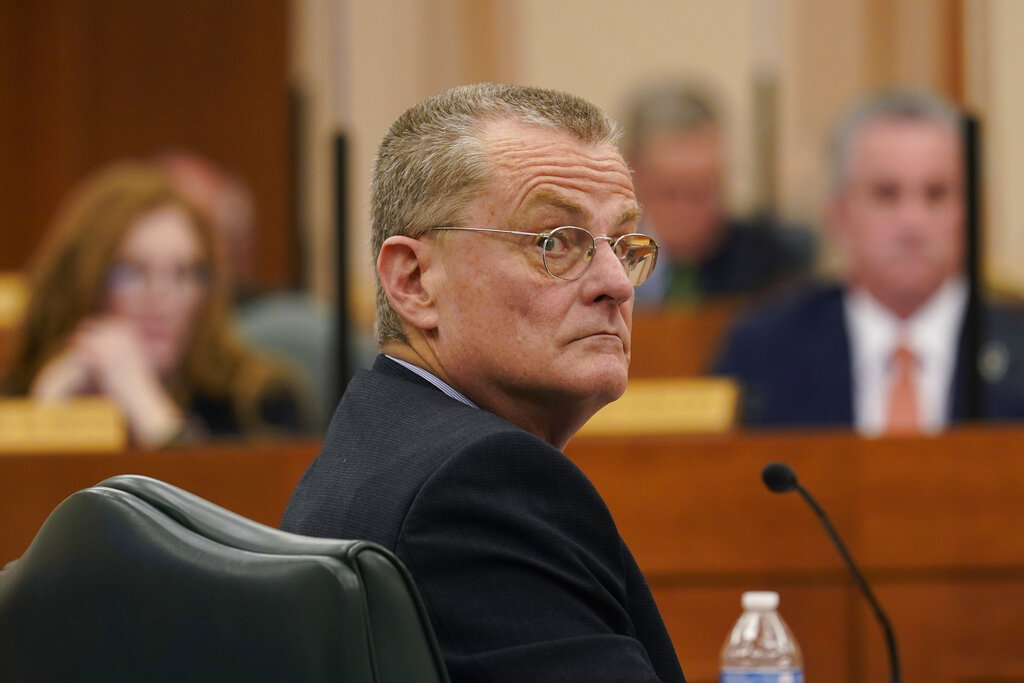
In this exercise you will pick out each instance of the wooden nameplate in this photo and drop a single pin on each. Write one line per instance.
(13, 295)
(82, 424)
(669, 406)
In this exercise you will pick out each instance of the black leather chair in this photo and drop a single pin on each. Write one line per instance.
(137, 580)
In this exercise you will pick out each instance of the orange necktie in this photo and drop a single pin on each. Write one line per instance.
(902, 417)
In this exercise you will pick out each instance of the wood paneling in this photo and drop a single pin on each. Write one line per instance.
(85, 83)
(934, 522)
(671, 343)
(253, 479)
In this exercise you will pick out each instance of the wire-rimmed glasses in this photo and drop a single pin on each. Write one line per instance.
(568, 251)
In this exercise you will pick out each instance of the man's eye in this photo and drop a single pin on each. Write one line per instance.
(936, 193)
(554, 244)
(885, 192)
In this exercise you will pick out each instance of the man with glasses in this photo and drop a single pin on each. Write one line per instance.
(676, 142)
(504, 234)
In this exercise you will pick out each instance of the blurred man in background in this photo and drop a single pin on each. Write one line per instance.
(883, 352)
(677, 149)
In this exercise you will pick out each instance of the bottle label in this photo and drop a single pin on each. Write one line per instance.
(756, 676)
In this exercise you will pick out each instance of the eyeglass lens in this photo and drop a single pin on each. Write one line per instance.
(568, 252)
(131, 279)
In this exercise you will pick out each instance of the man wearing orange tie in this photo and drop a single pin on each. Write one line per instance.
(883, 352)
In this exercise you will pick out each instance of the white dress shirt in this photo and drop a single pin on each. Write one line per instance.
(932, 334)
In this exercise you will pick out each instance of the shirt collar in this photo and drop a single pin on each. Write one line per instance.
(443, 386)
(931, 333)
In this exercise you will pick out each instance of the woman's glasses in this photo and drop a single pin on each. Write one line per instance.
(132, 279)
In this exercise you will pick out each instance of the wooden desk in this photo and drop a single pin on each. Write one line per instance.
(253, 479)
(937, 524)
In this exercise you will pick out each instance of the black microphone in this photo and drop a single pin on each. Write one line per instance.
(780, 478)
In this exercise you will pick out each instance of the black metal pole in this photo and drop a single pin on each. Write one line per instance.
(974, 322)
(343, 328)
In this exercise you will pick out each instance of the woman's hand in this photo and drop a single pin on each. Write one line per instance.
(105, 355)
(66, 375)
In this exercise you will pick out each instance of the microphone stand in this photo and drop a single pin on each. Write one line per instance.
(890, 638)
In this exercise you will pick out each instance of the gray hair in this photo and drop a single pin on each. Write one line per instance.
(434, 161)
(667, 108)
(896, 105)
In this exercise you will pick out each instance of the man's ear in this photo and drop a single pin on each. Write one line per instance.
(401, 265)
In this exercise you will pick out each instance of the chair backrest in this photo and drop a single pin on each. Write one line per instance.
(137, 580)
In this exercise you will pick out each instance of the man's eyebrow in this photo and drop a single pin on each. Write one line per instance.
(547, 198)
(630, 215)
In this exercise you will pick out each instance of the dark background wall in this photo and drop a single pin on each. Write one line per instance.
(85, 82)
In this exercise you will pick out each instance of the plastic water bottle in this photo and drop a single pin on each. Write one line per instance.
(761, 648)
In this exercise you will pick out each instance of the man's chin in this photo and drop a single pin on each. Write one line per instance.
(912, 293)
(591, 376)
(607, 386)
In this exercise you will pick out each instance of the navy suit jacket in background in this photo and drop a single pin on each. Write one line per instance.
(519, 563)
(794, 364)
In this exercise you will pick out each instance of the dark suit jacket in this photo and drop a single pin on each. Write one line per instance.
(794, 363)
(517, 558)
(755, 256)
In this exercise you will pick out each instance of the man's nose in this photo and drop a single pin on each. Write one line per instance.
(608, 272)
(914, 213)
